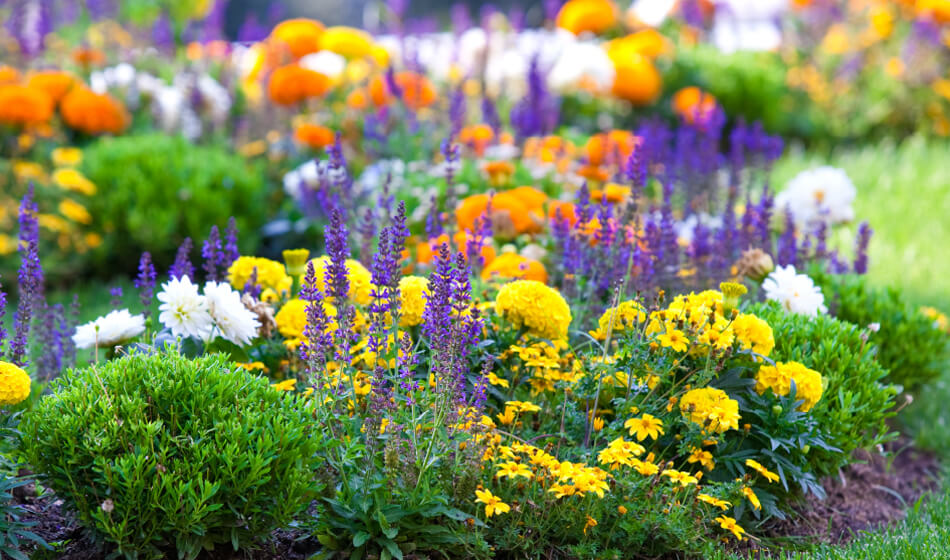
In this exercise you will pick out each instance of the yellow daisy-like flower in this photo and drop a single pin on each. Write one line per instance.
(512, 469)
(645, 426)
(71, 180)
(680, 477)
(14, 384)
(66, 156)
(715, 502)
(537, 308)
(493, 504)
(75, 211)
(674, 339)
(495, 380)
(757, 467)
(750, 495)
(619, 320)
(286, 384)
(729, 524)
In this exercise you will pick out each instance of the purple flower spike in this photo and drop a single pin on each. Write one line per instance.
(209, 252)
(145, 283)
(30, 279)
(861, 248)
(182, 266)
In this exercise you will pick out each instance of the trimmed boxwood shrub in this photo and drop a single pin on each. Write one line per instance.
(856, 401)
(910, 348)
(154, 190)
(164, 456)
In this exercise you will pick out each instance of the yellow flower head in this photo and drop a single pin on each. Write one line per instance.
(413, 293)
(757, 466)
(729, 524)
(493, 504)
(711, 408)
(531, 305)
(645, 426)
(713, 501)
(14, 384)
(270, 274)
(361, 281)
(619, 320)
(296, 261)
(71, 180)
(67, 157)
(75, 211)
(779, 379)
(753, 334)
(512, 469)
(753, 499)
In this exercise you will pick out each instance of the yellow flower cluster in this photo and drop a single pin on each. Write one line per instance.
(413, 291)
(14, 384)
(940, 319)
(271, 276)
(619, 320)
(711, 408)
(561, 478)
(361, 281)
(531, 305)
(779, 379)
(544, 363)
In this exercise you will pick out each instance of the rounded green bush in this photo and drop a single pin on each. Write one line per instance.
(164, 456)
(855, 401)
(154, 190)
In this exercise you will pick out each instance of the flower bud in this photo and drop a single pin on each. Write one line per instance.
(806, 448)
(755, 264)
(777, 409)
(295, 260)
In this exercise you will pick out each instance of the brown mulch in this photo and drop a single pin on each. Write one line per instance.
(869, 494)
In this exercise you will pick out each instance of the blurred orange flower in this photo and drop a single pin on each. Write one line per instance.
(514, 266)
(291, 84)
(594, 16)
(637, 80)
(300, 36)
(693, 104)
(416, 90)
(477, 137)
(56, 84)
(314, 136)
(24, 106)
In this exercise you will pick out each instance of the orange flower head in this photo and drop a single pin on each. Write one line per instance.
(563, 210)
(93, 113)
(415, 90)
(593, 16)
(314, 136)
(347, 41)
(499, 172)
(9, 75)
(532, 198)
(357, 99)
(426, 250)
(612, 147)
(509, 214)
(693, 105)
(514, 266)
(56, 84)
(648, 42)
(293, 83)
(477, 137)
(299, 36)
(637, 80)
(24, 106)
(88, 56)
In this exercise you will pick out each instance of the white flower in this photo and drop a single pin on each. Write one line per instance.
(328, 63)
(183, 310)
(816, 195)
(580, 64)
(110, 330)
(651, 12)
(796, 292)
(232, 320)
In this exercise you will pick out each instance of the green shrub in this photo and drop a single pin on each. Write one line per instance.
(909, 346)
(165, 456)
(855, 402)
(155, 190)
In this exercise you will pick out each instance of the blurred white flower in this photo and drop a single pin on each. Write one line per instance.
(651, 12)
(328, 63)
(748, 25)
(797, 293)
(183, 309)
(582, 64)
(115, 328)
(816, 195)
(232, 321)
(307, 175)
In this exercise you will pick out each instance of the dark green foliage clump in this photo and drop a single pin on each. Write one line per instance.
(856, 400)
(910, 348)
(154, 190)
(165, 456)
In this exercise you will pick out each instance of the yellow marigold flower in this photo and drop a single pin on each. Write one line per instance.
(621, 510)
(750, 495)
(537, 308)
(674, 339)
(562, 490)
(715, 502)
(515, 266)
(779, 378)
(729, 524)
(292, 318)
(756, 466)
(493, 504)
(361, 281)
(645, 426)
(72, 180)
(286, 384)
(704, 458)
(495, 380)
(67, 156)
(512, 469)
(413, 293)
(75, 211)
(347, 41)
(646, 468)
(507, 417)
(14, 384)
(270, 274)
(253, 366)
(680, 477)
(619, 320)
(711, 408)
(753, 334)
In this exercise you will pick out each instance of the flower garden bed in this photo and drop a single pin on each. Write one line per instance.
(543, 300)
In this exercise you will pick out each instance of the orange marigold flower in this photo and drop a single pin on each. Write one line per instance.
(506, 210)
(93, 113)
(347, 41)
(426, 250)
(292, 83)
(88, 56)
(314, 136)
(299, 36)
(514, 266)
(594, 16)
(415, 90)
(9, 75)
(648, 42)
(477, 137)
(637, 80)
(531, 197)
(24, 106)
(357, 99)
(56, 84)
(693, 104)
(612, 147)
(566, 210)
